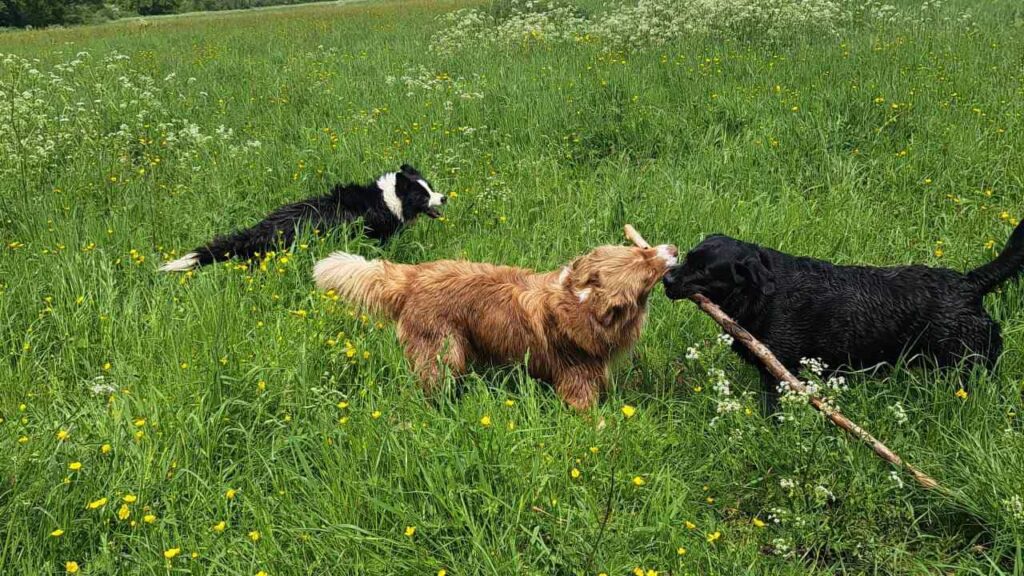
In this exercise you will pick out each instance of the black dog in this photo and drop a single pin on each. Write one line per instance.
(394, 200)
(855, 316)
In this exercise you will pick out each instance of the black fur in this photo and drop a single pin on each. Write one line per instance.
(345, 203)
(853, 316)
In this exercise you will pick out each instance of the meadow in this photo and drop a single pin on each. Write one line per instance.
(236, 421)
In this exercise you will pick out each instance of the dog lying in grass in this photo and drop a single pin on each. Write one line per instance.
(386, 205)
(569, 322)
(855, 316)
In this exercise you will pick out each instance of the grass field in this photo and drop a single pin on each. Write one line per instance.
(236, 421)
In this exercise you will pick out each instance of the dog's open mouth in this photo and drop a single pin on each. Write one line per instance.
(432, 212)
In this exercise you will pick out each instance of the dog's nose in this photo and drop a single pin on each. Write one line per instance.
(673, 250)
(444, 199)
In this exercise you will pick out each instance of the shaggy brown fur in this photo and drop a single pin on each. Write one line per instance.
(570, 322)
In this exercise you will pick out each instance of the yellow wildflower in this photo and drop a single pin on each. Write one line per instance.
(75, 466)
(170, 553)
(628, 411)
(575, 473)
(757, 522)
(961, 394)
(714, 536)
(130, 498)
(105, 449)
(63, 435)
(124, 512)
(71, 567)
(219, 526)
(96, 504)
(485, 421)
(375, 414)
(149, 518)
(681, 551)
(230, 494)
(639, 481)
(410, 531)
(57, 533)
(255, 535)
(689, 525)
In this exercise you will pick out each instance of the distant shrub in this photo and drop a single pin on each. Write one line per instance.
(21, 13)
(40, 13)
(151, 7)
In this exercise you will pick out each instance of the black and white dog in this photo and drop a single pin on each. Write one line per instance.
(853, 316)
(394, 200)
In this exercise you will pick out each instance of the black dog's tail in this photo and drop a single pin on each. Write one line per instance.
(1007, 265)
(244, 244)
(277, 229)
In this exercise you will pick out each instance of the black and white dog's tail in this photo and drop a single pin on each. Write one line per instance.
(384, 206)
(1006, 266)
(277, 229)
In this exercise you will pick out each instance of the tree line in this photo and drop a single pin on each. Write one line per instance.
(38, 13)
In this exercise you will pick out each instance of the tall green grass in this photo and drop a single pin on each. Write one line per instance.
(885, 145)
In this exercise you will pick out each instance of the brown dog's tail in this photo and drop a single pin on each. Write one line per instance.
(377, 285)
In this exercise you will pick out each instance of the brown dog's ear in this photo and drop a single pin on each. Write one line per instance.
(580, 279)
(755, 271)
(611, 308)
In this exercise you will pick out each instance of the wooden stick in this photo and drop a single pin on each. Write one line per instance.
(783, 375)
(633, 236)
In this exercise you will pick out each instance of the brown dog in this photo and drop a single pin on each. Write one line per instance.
(569, 322)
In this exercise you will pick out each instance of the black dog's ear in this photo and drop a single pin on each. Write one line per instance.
(404, 184)
(407, 169)
(755, 271)
(403, 177)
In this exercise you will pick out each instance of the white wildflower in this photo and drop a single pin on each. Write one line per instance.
(1015, 506)
(899, 414)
